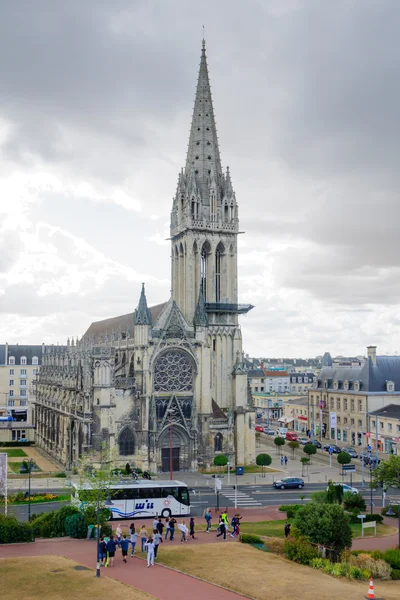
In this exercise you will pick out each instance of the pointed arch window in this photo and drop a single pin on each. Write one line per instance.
(213, 207)
(218, 275)
(126, 443)
(218, 443)
(203, 271)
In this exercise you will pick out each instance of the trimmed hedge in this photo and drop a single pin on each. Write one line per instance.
(395, 574)
(14, 444)
(13, 531)
(368, 519)
(290, 509)
(393, 558)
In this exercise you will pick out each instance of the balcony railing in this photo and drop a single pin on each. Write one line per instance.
(219, 307)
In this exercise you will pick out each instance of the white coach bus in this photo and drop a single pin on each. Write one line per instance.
(143, 498)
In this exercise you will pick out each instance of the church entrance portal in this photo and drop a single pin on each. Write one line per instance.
(165, 459)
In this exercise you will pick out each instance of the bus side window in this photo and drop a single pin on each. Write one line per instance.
(184, 496)
(170, 491)
(131, 494)
(119, 494)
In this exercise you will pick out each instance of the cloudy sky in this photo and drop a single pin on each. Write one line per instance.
(95, 106)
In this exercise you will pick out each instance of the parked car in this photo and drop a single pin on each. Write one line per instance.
(369, 459)
(291, 436)
(317, 443)
(335, 449)
(260, 428)
(346, 488)
(289, 482)
(269, 431)
(304, 441)
(351, 452)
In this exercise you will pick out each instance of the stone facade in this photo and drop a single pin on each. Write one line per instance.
(172, 375)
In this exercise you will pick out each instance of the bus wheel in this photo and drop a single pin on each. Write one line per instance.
(165, 512)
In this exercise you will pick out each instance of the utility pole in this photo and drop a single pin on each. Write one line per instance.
(312, 422)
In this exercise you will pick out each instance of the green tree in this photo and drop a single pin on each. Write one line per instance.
(263, 460)
(221, 460)
(343, 458)
(96, 476)
(387, 472)
(310, 450)
(325, 524)
(354, 502)
(293, 446)
(279, 442)
(334, 493)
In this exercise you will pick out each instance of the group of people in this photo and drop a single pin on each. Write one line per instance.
(223, 523)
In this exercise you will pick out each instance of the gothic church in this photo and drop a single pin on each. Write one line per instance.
(172, 374)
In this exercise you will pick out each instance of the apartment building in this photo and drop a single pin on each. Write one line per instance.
(19, 365)
(343, 398)
(301, 382)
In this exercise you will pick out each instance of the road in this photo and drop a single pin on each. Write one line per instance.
(247, 496)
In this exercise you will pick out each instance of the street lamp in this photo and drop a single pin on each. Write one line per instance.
(28, 469)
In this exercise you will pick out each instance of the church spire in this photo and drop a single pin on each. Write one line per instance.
(142, 313)
(203, 151)
(200, 316)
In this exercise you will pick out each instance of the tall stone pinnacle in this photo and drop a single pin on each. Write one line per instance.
(142, 313)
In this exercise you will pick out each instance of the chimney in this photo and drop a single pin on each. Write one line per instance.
(372, 354)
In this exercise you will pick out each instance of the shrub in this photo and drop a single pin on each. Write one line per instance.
(393, 558)
(368, 518)
(221, 460)
(357, 573)
(395, 574)
(377, 555)
(75, 526)
(325, 524)
(43, 525)
(300, 550)
(13, 531)
(249, 538)
(290, 509)
(60, 517)
(320, 497)
(353, 502)
(379, 569)
(320, 563)
(61, 474)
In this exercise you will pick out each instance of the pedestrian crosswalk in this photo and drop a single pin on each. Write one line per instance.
(242, 499)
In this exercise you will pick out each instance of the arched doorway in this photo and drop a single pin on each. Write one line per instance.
(174, 445)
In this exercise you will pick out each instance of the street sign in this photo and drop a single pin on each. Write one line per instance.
(349, 468)
(360, 516)
(368, 434)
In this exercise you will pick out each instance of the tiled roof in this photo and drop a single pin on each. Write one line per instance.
(391, 411)
(276, 374)
(121, 323)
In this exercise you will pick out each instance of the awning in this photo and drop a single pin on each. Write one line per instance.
(285, 419)
(302, 418)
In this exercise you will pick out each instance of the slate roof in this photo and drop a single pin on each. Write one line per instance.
(121, 323)
(218, 413)
(372, 378)
(18, 350)
(392, 411)
(255, 373)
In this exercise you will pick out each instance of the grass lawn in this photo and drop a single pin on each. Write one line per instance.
(38, 578)
(14, 452)
(15, 466)
(263, 575)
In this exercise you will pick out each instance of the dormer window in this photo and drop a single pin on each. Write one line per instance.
(11, 360)
(390, 386)
(346, 385)
(35, 360)
(356, 386)
(335, 384)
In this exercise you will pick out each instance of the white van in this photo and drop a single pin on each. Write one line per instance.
(282, 431)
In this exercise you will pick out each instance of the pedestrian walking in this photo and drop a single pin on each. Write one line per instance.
(225, 519)
(143, 537)
(111, 547)
(124, 548)
(191, 528)
(172, 523)
(102, 552)
(286, 461)
(157, 537)
(233, 525)
(155, 522)
(149, 545)
(118, 536)
(160, 527)
(131, 528)
(134, 538)
(282, 459)
(287, 529)
(184, 531)
(222, 528)
(167, 529)
(208, 517)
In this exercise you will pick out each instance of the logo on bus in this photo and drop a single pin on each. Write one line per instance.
(143, 505)
(167, 502)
